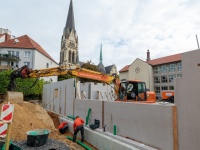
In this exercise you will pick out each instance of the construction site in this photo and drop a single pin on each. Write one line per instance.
(128, 124)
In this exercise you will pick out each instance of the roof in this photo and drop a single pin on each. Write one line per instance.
(109, 68)
(101, 68)
(25, 42)
(124, 69)
(165, 60)
(70, 18)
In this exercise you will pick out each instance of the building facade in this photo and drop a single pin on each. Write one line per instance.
(20, 51)
(69, 41)
(158, 74)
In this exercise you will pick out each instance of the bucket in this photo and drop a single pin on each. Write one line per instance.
(37, 137)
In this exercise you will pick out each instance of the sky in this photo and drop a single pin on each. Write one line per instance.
(125, 28)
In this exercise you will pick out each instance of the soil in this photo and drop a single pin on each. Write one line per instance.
(29, 116)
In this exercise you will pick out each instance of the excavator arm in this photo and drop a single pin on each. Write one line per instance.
(74, 70)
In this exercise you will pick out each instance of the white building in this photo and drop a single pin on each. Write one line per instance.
(23, 50)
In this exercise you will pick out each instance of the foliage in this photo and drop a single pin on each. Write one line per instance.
(90, 66)
(4, 80)
(23, 85)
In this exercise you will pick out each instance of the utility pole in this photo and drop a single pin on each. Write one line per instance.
(197, 41)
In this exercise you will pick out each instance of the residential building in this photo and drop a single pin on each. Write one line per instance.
(20, 51)
(159, 74)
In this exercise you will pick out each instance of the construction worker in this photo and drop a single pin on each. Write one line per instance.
(63, 127)
(78, 126)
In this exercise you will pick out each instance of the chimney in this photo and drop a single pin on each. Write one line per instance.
(7, 37)
(148, 55)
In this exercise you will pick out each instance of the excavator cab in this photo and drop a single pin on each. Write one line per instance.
(135, 91)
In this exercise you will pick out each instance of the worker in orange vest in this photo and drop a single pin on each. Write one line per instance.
(78, 126)
(63, 127)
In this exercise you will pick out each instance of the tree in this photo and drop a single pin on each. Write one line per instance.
(23, 85)
(90, 66)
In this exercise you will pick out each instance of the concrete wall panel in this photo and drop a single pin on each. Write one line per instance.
(84, 89)
(188, 103)
(82, 106)
(150, 123)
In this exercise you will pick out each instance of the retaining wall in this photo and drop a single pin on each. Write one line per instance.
(151, 124)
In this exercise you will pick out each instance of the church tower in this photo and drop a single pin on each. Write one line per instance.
(69, 41)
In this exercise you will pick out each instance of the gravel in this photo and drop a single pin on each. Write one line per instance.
(50, 145)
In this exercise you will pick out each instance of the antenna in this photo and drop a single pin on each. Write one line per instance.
(197, 41)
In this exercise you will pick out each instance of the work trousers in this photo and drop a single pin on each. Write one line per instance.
(79, 128)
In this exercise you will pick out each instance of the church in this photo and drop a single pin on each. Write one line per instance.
(69, 46)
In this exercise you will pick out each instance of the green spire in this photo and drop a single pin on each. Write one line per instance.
(101, 59)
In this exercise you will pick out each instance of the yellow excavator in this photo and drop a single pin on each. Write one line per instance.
(126, 91)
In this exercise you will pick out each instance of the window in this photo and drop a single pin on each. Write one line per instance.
(156, 69)
(11, 53)
(179, 75)
(172, 67)
(17, 54)
(157, 89)
(47, 65)
(157, 79)
(69, 59)
(27, 54)
(27, 63)
(164, 79)
(17, 64)
(171, 78)
(179, 65)
(163, 68)
(10, 63)
(73, 57)
(164, 88)
(171, 87)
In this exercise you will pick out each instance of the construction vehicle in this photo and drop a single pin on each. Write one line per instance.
(168, 96)
(140, 93)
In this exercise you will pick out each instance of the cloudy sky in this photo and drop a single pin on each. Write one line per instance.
(126, 28)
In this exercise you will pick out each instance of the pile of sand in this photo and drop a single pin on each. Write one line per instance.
(28, 116)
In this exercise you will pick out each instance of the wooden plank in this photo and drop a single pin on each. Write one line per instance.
(175, 127)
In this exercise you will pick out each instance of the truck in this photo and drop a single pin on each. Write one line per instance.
(167, 95)
(134, 90)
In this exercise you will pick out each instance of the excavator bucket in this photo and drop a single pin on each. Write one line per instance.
(16, 97)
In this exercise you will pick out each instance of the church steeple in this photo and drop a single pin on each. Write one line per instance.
(101, 67)
(70, 24)
(101, 59)
(69, 41)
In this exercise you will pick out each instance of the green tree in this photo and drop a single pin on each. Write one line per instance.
(31, 87)
(90, 66)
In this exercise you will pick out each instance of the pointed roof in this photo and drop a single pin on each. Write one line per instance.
(101, 68)
(25, 42)
(101, 58)
(109, 68)
(70, 24)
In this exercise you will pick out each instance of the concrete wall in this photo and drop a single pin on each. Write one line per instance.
(59, 97)
(188, 103)
(151, 124)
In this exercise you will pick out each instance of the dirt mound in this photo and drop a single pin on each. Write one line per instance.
(28, 116)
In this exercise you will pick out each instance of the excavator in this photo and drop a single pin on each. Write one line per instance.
(126, 91)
